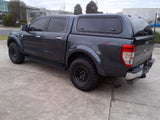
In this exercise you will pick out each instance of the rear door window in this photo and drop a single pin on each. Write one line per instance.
(57, 24)
(99, 24)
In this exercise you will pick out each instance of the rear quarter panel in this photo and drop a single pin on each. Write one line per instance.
(106, 48)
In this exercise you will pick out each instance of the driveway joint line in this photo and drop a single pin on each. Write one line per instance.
(110, 106)
(115, 99)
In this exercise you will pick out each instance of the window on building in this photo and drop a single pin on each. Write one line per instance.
(32, 15)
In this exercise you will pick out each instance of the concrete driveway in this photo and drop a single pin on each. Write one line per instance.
(34, 91)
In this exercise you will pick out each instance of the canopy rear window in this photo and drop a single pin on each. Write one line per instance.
(99, 25)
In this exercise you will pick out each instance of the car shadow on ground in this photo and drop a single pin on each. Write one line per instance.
(116, 82)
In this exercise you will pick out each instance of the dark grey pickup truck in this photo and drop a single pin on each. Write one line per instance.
(91, 46)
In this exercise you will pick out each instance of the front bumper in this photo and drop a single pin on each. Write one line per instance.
(139, 71)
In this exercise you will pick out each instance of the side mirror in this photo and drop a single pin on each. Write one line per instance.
(24, 28)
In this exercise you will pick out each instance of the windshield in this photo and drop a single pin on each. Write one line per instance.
(140, 26)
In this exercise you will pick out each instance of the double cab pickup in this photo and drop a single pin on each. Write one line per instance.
(90, 46)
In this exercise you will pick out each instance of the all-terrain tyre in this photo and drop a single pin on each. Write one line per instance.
(14, 54)
(83, 74)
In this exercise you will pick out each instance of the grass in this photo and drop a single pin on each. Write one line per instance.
(4, 37)
(157, 37)
(15, 27)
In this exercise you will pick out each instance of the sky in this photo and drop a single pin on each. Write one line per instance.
(105, 6)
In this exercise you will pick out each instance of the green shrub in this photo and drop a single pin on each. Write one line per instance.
(23, 22)
(8, 20)
(157, 37)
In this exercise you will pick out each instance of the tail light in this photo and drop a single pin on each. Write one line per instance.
(127, 54)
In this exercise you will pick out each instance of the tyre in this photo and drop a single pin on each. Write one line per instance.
(83, 74)
(14, 54)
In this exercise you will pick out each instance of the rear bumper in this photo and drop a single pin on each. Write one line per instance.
(139, 71)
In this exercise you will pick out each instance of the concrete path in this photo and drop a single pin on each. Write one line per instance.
(34, 91)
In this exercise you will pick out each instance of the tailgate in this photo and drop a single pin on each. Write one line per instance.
(144, 48)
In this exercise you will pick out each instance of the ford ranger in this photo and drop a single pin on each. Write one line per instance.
(90, 46)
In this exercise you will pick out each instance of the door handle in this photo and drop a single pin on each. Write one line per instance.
(38, 36)
(58, 37)
(21, 35)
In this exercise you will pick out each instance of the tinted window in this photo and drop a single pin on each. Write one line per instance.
(57, 24)
(100, 25)
(38, 25)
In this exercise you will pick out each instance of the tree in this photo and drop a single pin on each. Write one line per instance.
(17, 9)
(77, 9)
(8, 20)
(91, 7)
